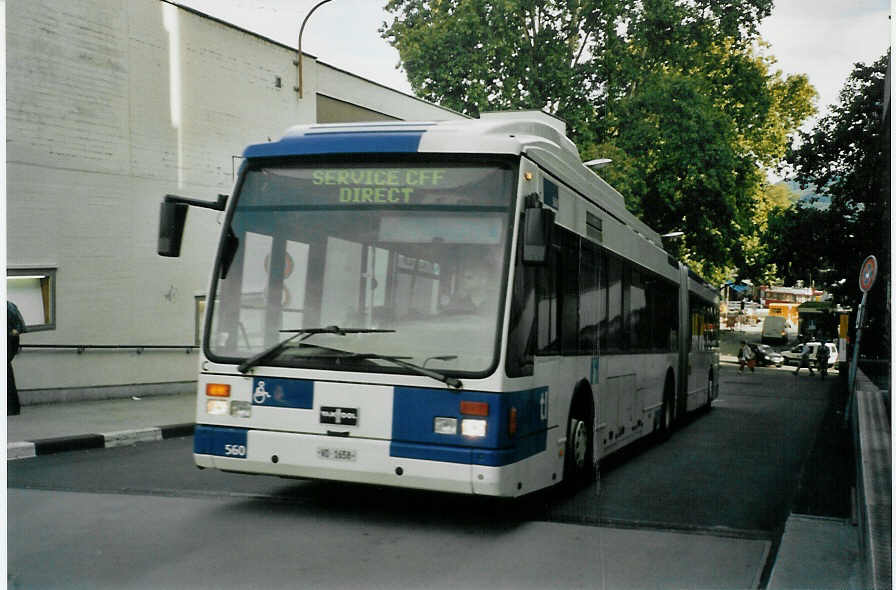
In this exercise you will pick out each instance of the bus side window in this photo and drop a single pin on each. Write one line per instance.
(589, 300)
(614, 304)
(712, 326)
(703, 325)
(548, 308)
(639, 322)
(662, 298)
(569, 292)
(603, 319)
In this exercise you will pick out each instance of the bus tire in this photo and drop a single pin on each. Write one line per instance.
(711, 387)
(578, 465)
(667, 414)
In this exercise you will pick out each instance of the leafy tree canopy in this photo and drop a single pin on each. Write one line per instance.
(846, 156)
(683, 172)
(673, 91)
(755, 260)
(567, 57)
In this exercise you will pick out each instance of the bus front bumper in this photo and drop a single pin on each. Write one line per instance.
(343, 459)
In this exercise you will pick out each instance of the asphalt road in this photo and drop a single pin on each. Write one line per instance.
(718, 492)
(736, 467)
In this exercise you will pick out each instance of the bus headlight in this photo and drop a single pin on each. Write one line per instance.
(473, 427)
(240, 409)
(444, 425)
(216, 407)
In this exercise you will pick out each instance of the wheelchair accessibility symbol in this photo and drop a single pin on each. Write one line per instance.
(259, 396)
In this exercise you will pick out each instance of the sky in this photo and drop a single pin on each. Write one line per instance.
(820, 38)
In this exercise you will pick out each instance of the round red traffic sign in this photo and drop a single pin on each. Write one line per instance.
(288, 265)
(868, 274)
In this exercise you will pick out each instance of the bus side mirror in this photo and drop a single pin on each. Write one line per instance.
(172, 218)
(538, 226)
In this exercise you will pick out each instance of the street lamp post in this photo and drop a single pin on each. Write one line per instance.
(298, 61)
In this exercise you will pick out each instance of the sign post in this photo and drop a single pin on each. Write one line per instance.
(867, 276)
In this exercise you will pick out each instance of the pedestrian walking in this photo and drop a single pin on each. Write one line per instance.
(15, 325)
(822, 357)
(805, 361)
(746, 357)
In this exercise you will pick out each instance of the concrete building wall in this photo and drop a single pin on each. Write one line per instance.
(111, 104)
(331, 110)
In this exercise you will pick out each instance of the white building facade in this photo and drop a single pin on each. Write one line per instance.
(111, 104)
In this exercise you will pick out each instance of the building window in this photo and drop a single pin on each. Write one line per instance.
(33, 290)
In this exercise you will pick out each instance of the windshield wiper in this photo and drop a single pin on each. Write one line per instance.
(397, 360)
(306, 333)
(447, 380)
(338, 355)
(344, 354)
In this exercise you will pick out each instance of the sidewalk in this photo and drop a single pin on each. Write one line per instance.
(54, 428)
(817, 552)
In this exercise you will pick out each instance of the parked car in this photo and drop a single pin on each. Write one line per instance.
(793, 356)
(766, 355)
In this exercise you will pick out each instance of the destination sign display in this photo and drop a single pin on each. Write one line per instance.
(378, 185)
(367, 186)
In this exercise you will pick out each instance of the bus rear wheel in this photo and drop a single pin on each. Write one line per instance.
(667, 413)
(578, 468)
(711, 387)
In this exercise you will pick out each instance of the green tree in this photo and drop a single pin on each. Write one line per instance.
(671, 90)
(847, 156)
(796, 241)
(757, 262)
(571, 58)
(682, 169)
(480, 55)
(693, 149)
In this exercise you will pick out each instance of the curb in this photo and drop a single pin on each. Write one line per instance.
(119, 438)
(816, 552)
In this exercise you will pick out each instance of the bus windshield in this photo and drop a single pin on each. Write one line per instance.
(410, 260)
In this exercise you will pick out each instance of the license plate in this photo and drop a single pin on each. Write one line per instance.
(331, 454)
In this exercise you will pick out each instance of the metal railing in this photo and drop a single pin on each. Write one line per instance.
(138, 348)
(871, 439)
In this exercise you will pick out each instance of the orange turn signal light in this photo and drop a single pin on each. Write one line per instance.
(217, 389)
(512, 421)
(474, 408)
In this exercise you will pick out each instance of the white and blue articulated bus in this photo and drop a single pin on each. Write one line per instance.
(459, 306)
